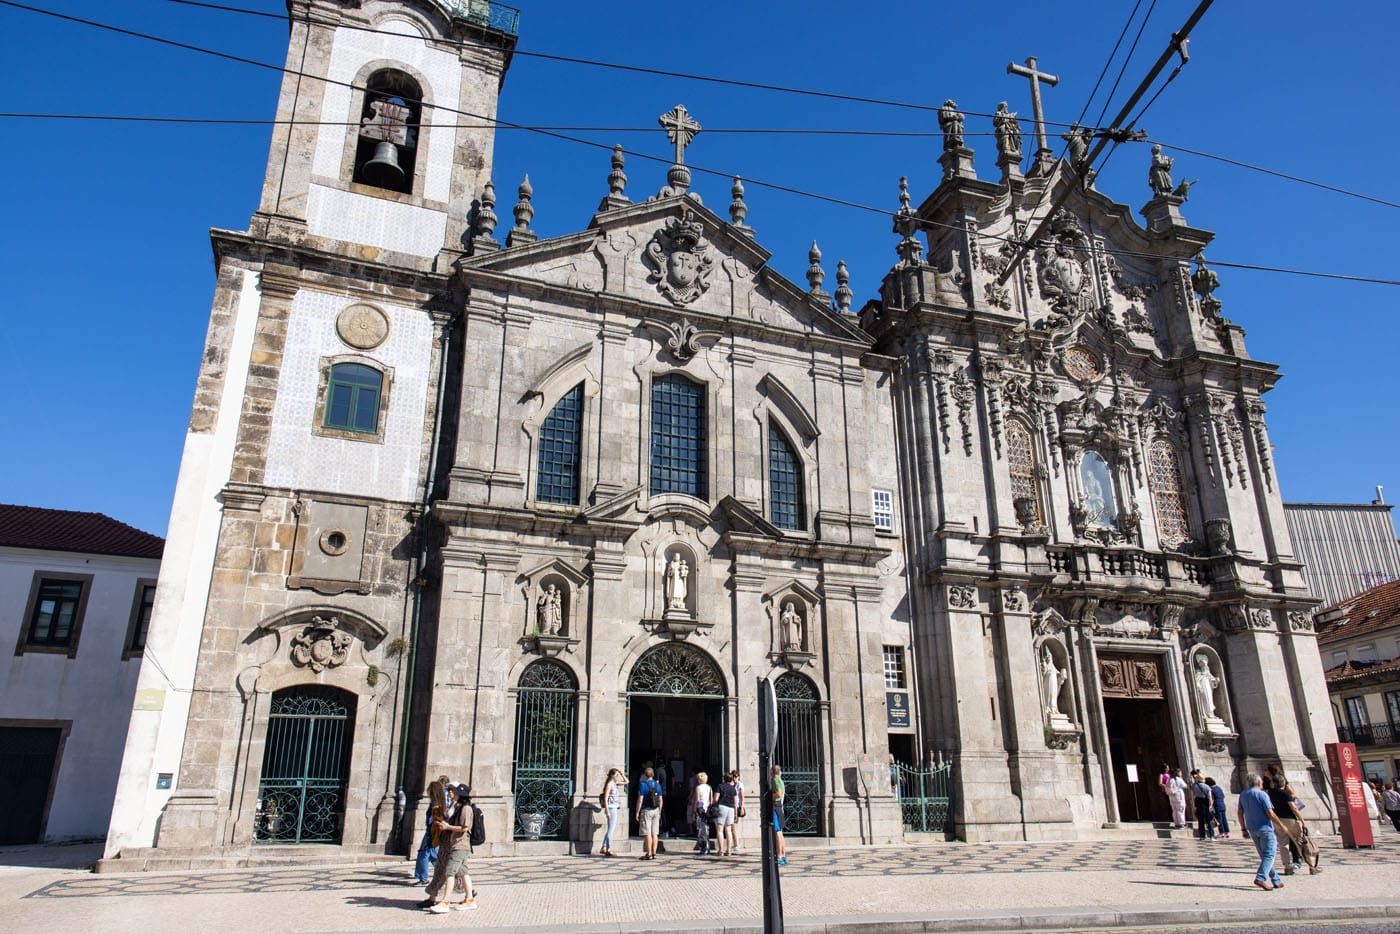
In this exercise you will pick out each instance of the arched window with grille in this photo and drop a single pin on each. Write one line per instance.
(561, 442)
(546, 708)
(678, 437)
(787, 506)
(1168, 494)
(1020, 458)
(799, 753)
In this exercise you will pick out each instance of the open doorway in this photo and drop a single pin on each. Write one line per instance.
(1140, 736)
(679, 736)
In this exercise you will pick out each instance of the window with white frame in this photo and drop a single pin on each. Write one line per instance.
(894, 667)
(882, 509)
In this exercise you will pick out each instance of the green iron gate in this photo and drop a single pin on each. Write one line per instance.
(799, 752)
(923, 796)
(546, 708)
(301, 796)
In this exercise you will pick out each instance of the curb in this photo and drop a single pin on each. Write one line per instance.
(1071, 919)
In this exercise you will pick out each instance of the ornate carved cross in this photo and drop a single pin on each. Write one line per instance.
(1036, 76)
(681, 128)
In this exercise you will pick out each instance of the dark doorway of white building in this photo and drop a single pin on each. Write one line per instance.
(1140, 737)
(676, 722)
(28, 759)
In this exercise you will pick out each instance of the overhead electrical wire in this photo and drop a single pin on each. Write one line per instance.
(774, 186)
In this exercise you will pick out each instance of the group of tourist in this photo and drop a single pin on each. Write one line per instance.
(713, 812)
(445, 847)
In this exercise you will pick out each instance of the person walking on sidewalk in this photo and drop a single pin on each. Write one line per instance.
(726, 803)
(775, 781)
(428, 846)
(651, 799)
(1390, 800)
(1281, 797)
(1176, 793)
(1217, 801)
(700, 805)
(1205, 810)
(454, 848)
(1258, 822)
(613, 799)
(739, 812)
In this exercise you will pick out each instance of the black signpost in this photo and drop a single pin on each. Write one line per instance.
(767, 741)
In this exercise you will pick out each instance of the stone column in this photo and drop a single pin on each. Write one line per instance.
(1261, 690)
(479, 412)
(618, 410)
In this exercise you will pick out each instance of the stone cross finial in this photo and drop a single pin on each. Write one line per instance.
(617, 183)
(1043, 156)
(680, 128)
(844, 295)
(484, 239)
(815, 274)
(524, 213)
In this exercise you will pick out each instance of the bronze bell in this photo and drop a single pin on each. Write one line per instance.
(383, 170)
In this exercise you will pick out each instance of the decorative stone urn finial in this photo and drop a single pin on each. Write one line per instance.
(484, 240)
(815, 273)
(844, 295)
(617, 184)
(738, 209)
(524, 213)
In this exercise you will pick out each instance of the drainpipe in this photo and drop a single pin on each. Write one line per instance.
(421, 558)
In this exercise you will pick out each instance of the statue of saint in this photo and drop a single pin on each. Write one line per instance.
(549, 611)
(676, 573)
(1077, 142)
(1052, 679)
(1159, 176)
(1206, 682)
(1008, 132)
(792, 627)
(950, 121)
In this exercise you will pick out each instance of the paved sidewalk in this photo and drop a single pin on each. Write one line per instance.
(948, 887)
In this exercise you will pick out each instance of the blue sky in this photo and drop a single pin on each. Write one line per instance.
(109, 273)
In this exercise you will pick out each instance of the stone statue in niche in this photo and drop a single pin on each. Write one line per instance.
(550, 611)
(1052, 678)
(1205, 683)
(792, 627)
(677, 570)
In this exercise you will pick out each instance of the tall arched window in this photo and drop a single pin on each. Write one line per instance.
(352, 398)
(678, 437)
(1168, 494)
(561, 440)
(1020, 458)
(387, 149)
(788, 511)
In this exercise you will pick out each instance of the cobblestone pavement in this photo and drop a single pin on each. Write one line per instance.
(947, 882)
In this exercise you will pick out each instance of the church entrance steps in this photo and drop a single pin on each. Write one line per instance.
(153, 859)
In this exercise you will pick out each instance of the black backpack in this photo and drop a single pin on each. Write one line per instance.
(652, 800)
(478, 834)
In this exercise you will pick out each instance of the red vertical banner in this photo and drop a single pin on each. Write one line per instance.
(1349, 790)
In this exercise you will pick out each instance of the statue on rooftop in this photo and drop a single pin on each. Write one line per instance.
(1008, 132)
(950, 121)
(1159, 176)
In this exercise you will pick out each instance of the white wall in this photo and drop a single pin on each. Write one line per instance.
(93, 690)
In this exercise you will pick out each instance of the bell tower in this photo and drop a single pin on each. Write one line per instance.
(385, 124)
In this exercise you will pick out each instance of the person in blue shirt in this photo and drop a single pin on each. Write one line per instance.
(651, 800)
(1217, 798)
(1259, 823)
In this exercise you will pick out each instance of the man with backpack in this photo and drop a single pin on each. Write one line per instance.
(457, 834)
(650, 801)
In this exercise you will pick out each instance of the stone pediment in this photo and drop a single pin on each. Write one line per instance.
(673, 253)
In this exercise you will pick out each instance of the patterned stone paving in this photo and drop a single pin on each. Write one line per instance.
(1175, 854)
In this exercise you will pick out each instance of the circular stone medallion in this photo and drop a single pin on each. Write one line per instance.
(1082, 364)
(362, 326)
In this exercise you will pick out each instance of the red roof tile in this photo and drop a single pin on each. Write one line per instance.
(1349, 669)
(1368, 611)
(65, 530)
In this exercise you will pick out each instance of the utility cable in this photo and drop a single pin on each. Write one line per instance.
(1131, 49)
(774, 186)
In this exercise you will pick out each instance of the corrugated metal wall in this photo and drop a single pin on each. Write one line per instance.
(1346, 548)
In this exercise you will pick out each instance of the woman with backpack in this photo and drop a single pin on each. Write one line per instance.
(611, 800)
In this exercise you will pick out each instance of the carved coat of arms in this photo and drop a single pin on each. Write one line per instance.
(321, 645)
(680, 263)
(1064, 269)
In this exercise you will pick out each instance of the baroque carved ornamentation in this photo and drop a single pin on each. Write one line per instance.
(1200, 410)
(1013, 600)
(1254, 412)
(1299, 621)
(963, 391)
(962, 596)
(675, 668)
(1063, 271)
(990, 370)
(684, 340)
(321, 645)
(679, 261)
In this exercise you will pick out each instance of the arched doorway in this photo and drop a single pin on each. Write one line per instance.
(546, 709)
(799, 752)
(676, 720)
(306, 763)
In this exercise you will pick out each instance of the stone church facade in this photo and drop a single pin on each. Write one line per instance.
(459, 499)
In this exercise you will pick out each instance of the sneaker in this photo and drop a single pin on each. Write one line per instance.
(439, 908)
(468, 905)
(1264, 885)
(426, 903)
(782, 860)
